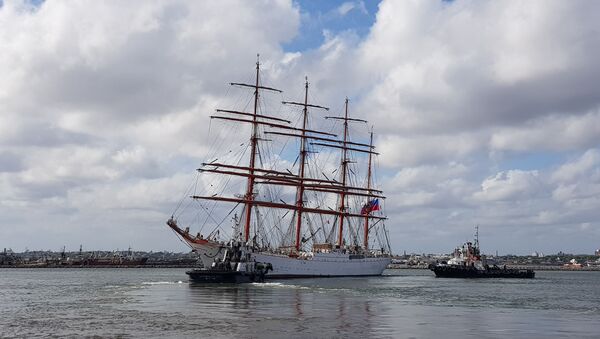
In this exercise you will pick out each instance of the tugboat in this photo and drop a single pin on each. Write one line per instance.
(235, 267)
(468, 262)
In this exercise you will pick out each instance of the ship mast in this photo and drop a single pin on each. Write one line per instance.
(303, 151)
(300, 189)
(253, 141)
(344, 170)
(344, 162)
(252, 169)
(261, 176)
(366, 229)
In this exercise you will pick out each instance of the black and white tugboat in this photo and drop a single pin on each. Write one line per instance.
(468, 262)
(236, 266)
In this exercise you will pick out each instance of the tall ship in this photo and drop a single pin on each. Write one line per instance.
(468, 262)
(291, 186)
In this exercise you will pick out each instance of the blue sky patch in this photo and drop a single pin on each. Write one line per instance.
(332, 16)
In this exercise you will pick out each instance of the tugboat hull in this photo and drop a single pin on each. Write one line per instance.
(224, 277)
(472, 272)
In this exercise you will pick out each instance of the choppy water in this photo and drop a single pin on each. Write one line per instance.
(404, 304)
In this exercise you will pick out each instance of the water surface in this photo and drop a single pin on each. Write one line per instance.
(403, 304)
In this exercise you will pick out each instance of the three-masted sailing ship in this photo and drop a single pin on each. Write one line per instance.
(334, 225)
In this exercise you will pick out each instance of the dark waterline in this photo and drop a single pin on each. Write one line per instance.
(402, 304)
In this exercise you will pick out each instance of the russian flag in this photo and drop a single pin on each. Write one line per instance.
(370, 206)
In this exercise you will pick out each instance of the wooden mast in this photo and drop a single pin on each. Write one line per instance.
(303, 150)
(249, 200)
(366, 229)
(344, 170)
(302, 182)
(344, 161)
(253, 140)
(300, 188)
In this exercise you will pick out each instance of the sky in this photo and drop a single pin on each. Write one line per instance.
(485, 112)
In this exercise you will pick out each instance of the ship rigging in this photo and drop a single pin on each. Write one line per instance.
(330, 217)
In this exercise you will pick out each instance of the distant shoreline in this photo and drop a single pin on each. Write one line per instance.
(521, 267)
(98, 266)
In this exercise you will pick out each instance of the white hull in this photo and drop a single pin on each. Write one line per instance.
(207, 252)
(318, 265)
(322, 265)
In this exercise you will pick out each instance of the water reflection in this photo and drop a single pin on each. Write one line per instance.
(417, 305)
(274, 309)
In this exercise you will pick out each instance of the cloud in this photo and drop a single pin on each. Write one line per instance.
(462, 81)
(104, 106)
(398, 151)
(579, 168)
(510, 185)
(577, 186)
(10, 162)
(554, 133)
(460, 65)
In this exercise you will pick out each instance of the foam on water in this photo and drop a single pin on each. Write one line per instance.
(162, 282)
(276, 284)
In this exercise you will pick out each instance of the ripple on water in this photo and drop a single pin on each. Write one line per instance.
(158, 302)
